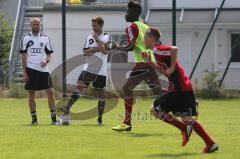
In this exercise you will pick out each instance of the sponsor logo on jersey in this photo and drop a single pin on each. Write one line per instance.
(36, 50)
(30, 43)
(91, 41)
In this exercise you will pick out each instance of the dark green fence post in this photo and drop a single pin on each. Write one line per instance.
(174, 24)
(64, 48)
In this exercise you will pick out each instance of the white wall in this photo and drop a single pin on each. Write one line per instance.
(193, 3)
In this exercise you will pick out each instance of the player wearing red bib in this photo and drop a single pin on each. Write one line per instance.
(181, 101)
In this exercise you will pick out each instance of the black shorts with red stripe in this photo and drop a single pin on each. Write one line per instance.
(179, 103)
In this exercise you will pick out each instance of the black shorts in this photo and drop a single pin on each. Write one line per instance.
(179, 103)
(98, 81)
(38, 80)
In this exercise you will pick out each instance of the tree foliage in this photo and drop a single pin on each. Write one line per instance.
(5, 44)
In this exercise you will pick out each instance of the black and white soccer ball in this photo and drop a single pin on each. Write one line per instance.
(64, 120)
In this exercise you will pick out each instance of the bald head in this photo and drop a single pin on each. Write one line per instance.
(35, 25)
(35, 19)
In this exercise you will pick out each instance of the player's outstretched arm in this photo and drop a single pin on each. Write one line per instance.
(128, 47)
(132, 34)
(158, 67)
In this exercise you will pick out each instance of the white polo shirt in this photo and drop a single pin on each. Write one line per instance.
(37, 48)
(96, 63)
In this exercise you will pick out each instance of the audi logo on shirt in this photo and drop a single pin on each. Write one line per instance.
(36, 50)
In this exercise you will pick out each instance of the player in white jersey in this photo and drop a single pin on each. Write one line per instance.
(95, 69)
(36, 52)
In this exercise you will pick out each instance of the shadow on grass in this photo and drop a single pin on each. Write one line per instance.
(39, 125)
(168, 155)
(72, 125)
(93, 125)
(143, 134)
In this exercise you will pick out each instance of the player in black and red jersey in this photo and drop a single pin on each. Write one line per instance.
(181, 101)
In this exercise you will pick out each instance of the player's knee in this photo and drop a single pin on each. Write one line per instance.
(126, 89)
(187, 119)
(50, 91)
(101, 95)
(152, 110)
(31, 94)
(157, 90)
(157, 86)
(80, 87)
(155, 113)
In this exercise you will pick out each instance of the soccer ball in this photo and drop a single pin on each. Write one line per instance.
(64, 120)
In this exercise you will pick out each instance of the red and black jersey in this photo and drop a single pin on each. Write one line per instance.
(178, 78)
(132, 33)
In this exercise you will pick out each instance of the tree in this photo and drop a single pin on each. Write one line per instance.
(5, 46)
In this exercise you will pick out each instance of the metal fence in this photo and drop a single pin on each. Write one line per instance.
(40, 3)
(112, 1)
(35, 3)
(16, 36)
(87, 1)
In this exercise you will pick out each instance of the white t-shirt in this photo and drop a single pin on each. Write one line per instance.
(96, 63)
(37, 48)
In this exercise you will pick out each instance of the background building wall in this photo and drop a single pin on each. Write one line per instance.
(190, 36)
(9, 7)
(193, 3)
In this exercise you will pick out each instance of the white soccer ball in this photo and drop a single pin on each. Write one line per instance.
(64, 120)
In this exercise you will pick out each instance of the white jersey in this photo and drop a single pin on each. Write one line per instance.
(37, 48)
(96, 63)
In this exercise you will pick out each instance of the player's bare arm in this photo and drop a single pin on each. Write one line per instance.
(46, 60)
(129, 47)
(131, 44)
(90, 51)
(171, 69)
(158, 67)
(102, 48)
(24, 65)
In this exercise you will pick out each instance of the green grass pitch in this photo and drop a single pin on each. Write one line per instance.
(149, 139)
